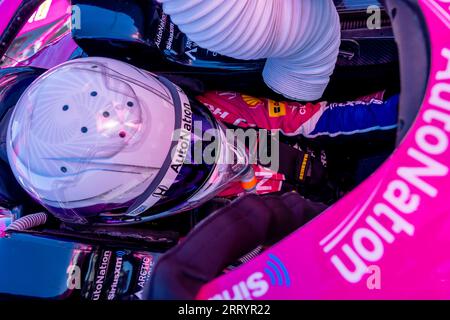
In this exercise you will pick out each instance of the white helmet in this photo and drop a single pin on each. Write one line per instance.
(97, 140)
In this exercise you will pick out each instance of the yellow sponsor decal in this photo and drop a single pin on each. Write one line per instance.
(276, 109)
(252, 102)
(303, 167)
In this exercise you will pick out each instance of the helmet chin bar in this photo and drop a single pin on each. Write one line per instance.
(137, 207)
(215, 182)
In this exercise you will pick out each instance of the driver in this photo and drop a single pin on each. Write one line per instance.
(96, 140)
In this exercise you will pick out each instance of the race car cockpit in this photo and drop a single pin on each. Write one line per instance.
(316, 237)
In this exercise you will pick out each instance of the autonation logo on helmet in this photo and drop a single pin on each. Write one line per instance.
(380, 224)
(258, 283)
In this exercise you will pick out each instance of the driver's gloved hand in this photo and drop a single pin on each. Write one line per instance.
(223, 238)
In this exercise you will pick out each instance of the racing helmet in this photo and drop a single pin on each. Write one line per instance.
(98, 141)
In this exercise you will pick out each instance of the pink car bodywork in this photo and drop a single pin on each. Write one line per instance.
(47, 49)
(387, 239)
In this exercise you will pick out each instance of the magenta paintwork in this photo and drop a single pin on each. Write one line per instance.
(46, 50)
(7, 9)
(58, 9)
(5, 220)
(395, 227)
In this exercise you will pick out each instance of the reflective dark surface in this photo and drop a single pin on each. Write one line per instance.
(345, 5)
(46, 266)
(13, 82)
(143, 27)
